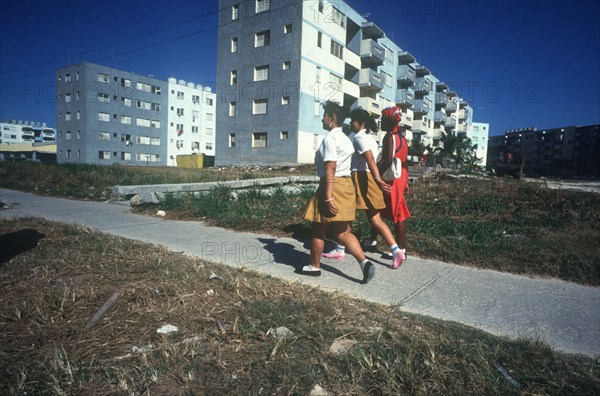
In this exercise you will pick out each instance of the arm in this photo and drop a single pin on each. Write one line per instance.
(383, 186)
(329, 180)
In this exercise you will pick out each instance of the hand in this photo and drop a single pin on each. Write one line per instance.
(383, 186)
(332, 208)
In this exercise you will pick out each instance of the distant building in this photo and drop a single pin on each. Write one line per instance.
(13, 132)
(567, 152)
(478, 133)
(279, 61)
(109, 116)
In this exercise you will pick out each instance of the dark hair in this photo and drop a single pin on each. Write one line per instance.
(363, 116)
(332, 108)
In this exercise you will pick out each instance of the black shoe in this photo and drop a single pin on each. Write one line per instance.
(368, 272)
(309, 270)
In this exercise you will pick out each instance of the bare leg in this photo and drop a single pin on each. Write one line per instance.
(348, 239)
(379, 227)
(317, 243)
(400, 229)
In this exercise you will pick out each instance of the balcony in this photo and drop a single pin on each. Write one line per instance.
(370, 105)
(422, 86)
(421, 106)
(440, 86)
(404, 58)
(405, 75)
(419, 127)
(422, 71)
(370, 81)
(371, 30)
(405, 97)
(451, 94)
(451, 106)
(450, 122)
(462, 103)
(440, 117)
(441, 99)
(371, 53)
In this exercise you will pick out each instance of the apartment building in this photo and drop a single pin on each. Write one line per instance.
(479, 135)
(109, 116)
(13, 131)
(280, 60)
(569, 152)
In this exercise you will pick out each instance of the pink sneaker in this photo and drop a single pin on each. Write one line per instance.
(399, 259)
(335, 254)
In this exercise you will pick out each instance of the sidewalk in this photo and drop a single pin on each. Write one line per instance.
(564, 315)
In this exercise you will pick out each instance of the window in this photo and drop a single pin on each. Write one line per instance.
(68, 98)
(141, 122)
(195, 99)
(78, 151)
(78, 134)
(287, 65)
(287, 28)
(67, 116)
(155, 141)
(126, 119)
(155, 106)
(259, 106)
(179, 95)
(125, 82)
(143, 105)
(234, 44)
(103, 77)
(209, 131)
(103, 117)
(285, 100)
(336, 49)
(68, 154)
(338, 17)
(67, 78)
(156, 89)
(126, 138)
(68, 135)
(143, 87)
(125, 156)
(103, 136)
(126, 101)
(262, 38)
(102, 97)
(195, 115)
(142, 140)
(179, 112)
(233, 77)
(78, 115)
(104, 155)
(283, 135)
(194, 129)
(320, 40)
(261, 73)
(259, 139)
(235, 12)
(262, 5)
(232, 106)
(209, 116)
(232, 140)
(209, 101)
(147, 157)
(208, 146)
(335, 80)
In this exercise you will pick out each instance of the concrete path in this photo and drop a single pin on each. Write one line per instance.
(564, 315)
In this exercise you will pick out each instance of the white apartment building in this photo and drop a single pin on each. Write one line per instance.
(279, 61)
(479, 134)
(191, 119)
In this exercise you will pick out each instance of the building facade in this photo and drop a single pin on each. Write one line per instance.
(279, 61)
(567, 152)
(108, 116)
(13, 131)
(479, 135)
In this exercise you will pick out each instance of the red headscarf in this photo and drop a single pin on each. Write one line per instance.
(390, 118)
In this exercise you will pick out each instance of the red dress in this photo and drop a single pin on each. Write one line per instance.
(396, 208)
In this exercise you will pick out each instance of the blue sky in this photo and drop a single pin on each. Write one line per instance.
(518, 63)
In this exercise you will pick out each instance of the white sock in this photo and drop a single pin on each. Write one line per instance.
(340, 248)
(362, 264)
(395, 249)
(308, 268)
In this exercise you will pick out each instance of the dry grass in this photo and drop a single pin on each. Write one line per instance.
(52, 288)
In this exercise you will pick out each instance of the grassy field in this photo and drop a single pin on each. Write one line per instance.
(493, 223)
(62, 274)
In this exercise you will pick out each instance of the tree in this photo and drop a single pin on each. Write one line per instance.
(456, 146)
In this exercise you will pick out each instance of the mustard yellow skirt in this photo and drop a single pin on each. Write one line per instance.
(368, 194)
(344, 199)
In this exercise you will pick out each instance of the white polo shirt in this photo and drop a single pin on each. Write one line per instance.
(336, 146)
(363, 142)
